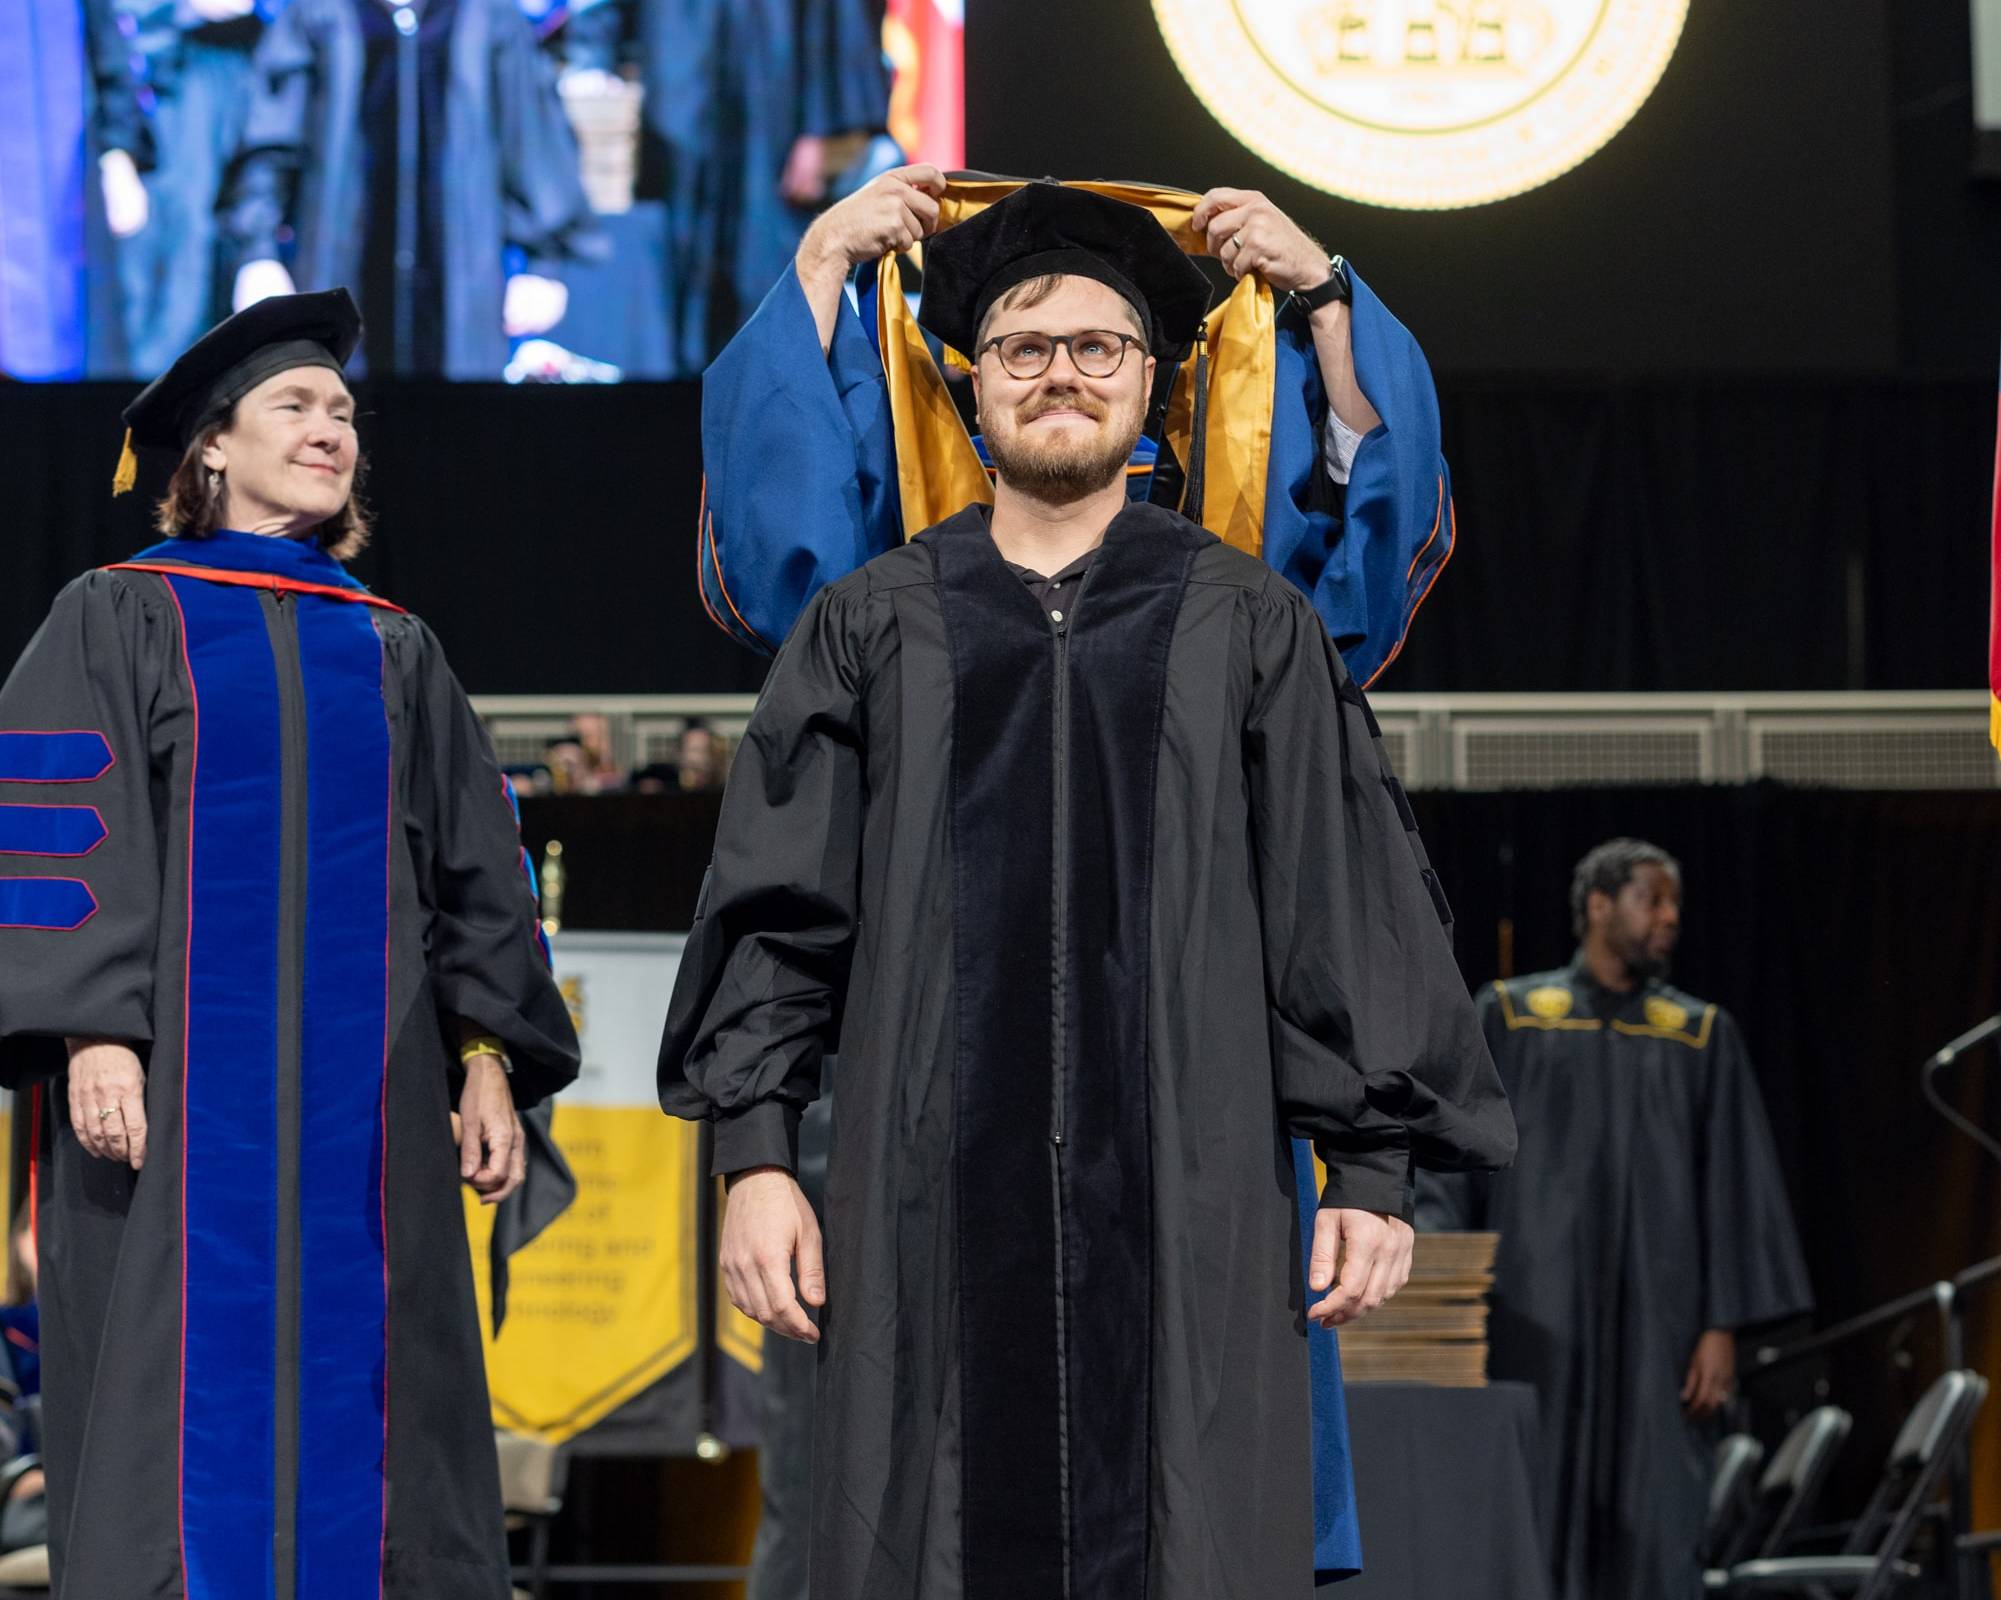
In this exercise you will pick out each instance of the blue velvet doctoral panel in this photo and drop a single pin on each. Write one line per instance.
(230, 1473)
(343, 1279)
(64, 831)
(229, 1091)
(54, 904)
(80, 756)
(59, 905)
(1055, 740)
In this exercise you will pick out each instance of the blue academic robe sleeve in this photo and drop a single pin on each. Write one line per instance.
(1368, 557)
(801, 466)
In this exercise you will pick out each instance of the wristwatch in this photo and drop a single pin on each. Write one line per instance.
(1337, 287)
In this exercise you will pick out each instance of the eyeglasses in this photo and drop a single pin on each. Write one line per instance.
(1096, 353)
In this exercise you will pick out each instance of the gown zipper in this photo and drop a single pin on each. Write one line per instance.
(281, 620)
(1060, 624)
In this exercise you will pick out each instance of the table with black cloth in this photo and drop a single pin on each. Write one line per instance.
(1442, 1485)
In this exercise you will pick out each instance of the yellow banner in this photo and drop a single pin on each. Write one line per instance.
(603, 1305)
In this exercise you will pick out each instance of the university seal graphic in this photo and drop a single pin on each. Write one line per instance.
(1425, 104)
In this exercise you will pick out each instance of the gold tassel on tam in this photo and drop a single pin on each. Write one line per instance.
(127, 475)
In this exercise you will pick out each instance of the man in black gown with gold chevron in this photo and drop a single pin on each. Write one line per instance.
(1643, 1224)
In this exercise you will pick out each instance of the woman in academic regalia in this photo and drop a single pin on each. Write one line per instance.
(265, 923)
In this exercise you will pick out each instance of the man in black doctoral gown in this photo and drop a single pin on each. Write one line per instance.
(748, 106)
(417, 150)
(195, 55)
(1067, 820)
(1644, 1222)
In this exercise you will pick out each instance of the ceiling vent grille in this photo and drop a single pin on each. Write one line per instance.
(1891, 740)
(1873, 753)
(1560, 752)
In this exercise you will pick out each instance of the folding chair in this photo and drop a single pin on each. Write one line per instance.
(27, 1569)
(531, 1492)
(1872, 1563)
(1788, 1488)
(1737, 1459)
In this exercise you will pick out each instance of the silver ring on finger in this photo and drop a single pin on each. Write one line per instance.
(1235, 241)
(104, 1113)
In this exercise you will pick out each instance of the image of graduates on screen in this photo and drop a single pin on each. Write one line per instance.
(575, 191)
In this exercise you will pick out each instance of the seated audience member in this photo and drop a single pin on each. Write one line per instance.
(702, 762)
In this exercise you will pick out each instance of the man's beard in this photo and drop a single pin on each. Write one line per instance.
(1643, 964)
(1057, 471)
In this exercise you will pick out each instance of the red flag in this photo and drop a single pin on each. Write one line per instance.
(925, 43)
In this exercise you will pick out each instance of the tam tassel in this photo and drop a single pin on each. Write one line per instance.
(127, 475)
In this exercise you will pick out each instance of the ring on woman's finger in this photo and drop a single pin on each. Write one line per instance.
(104, 1113)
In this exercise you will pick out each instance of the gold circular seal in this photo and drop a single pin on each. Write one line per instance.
(1664, 1013)
(1551, 1004)
(1425, 104)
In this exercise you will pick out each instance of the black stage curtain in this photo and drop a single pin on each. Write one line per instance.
(1613, 534)
(1851, 934)
(1714, 535)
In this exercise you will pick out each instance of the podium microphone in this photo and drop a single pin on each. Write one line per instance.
(1945, 1057)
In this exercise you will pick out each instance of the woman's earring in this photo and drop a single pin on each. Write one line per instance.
(214, 483)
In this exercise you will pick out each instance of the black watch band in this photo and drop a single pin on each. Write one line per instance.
(1337, 287)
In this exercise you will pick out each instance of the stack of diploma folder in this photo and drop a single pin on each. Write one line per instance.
(1435, 1330)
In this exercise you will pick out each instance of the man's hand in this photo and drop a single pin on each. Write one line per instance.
(1247, 233)
(126, 206)
(890, 212)
(493, 1153)
(533, 304)
(1373, 1250)
(768, 1226)
(804, 180)
(1712, 1373)
(107, 1100)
